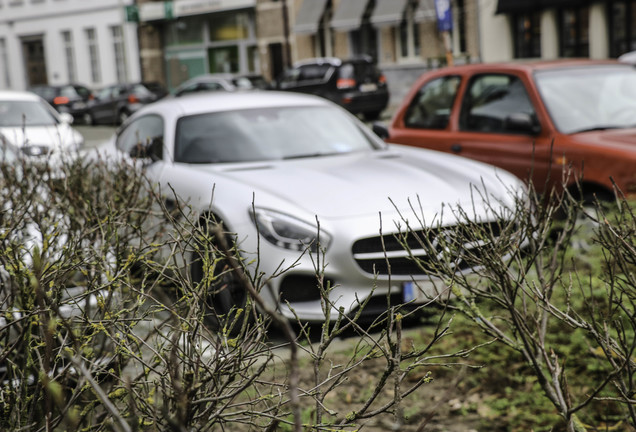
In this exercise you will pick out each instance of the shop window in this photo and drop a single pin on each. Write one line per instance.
(527, 35)
(253, 59)
(224, 59)
(185, 31)
(229, 26)
(575, 31)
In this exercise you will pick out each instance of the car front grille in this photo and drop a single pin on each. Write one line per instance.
(416, 252)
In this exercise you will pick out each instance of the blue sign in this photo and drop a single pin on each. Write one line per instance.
(444, 16)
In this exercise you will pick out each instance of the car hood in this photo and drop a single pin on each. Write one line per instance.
(367, 183)
(619, 138)
(55, 136)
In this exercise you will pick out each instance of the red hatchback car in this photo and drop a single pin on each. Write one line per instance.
(533, 119)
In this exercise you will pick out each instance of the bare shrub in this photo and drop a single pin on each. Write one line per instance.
(568, 277)
(103, 327)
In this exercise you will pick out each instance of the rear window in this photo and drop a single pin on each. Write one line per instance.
(312, 72)
(45, 92)
(360, 71)
(141, 90)
(307, 73)
(69, 91)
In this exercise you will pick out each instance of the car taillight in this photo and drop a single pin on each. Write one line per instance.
(382, 79)
(133, 99)
(60, 100)
(345, 83)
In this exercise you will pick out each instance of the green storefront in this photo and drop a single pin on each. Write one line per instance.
(205, 36)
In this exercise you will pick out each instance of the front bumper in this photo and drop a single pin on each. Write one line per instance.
(350, 277)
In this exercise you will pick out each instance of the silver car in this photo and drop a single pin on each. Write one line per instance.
(29, 123)
(300, 181)
(220, 82)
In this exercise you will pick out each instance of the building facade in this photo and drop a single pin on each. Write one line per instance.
(183, 38)
(61, 41)
(100, 42)
(548, 29)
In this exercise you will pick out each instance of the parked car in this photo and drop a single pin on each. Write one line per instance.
(534, 119)
(29, 123)
(69, 98)
(269, 165)
(157, 88)
(114, 104)
(355, 84)
(221, 81)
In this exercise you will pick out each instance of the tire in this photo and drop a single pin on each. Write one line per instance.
(371, 115)
(226, 297)
(592, 205)
(88, 119)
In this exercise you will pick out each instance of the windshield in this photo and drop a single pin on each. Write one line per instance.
(268, 134)
(599, 97)
(25, 113)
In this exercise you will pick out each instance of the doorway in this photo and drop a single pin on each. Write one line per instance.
(34, 61)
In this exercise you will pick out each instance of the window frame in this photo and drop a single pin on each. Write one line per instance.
(148, 143)
(465, 111)
(416, 102)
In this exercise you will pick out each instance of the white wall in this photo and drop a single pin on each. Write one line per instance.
(50, 18)
(495, 33)
(599, 40)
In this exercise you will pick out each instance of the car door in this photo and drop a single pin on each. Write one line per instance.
(141, 143)
(489, 117)
(426, 120)
(118, 100)
(498, 123)
(99, 108)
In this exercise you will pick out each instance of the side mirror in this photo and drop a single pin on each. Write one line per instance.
(523, 123)
(380, 130)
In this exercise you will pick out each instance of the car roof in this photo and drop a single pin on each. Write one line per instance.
(205, 102)
(57, 85)
(532, 65)
(213, 77)
(333, 61)
(15, 95)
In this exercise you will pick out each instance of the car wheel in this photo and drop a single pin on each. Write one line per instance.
(88, 119)
(592, 207)
(372, 115)
(226, 296)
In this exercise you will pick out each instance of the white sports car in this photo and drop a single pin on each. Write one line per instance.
(273, 167)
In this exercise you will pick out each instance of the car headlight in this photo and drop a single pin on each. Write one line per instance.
(289, 232)
(35, 150)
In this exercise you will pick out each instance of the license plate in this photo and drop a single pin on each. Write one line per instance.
(411, 293)
(369, 87)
